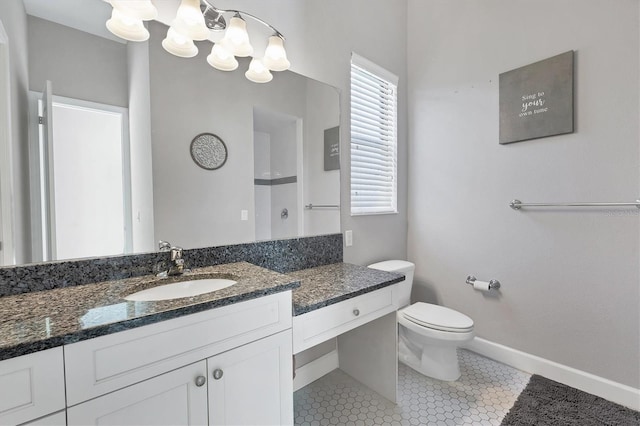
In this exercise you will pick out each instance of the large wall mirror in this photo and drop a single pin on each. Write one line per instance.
(111, 170)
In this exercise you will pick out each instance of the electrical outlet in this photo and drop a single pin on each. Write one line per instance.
(348, 238)
(244, 214)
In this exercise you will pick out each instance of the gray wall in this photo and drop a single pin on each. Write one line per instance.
(14, 19)
(196, 207)
(377, 31)
(570, 277)
(320, 186)
(320, 38)
(322, 51)
(80, 65)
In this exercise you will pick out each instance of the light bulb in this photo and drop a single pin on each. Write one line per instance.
(189, 10)
(220, 58)
(275, 57)
(179, 45)
(190, 21)
(236, 39)
(258, 66)
(257, 72)
(127, 27)
(138, 9)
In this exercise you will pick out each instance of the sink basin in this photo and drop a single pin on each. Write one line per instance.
(180, 289)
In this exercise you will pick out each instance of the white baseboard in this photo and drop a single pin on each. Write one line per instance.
(315, 369)
(605, 388)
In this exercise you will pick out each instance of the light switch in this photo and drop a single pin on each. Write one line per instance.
(348, 238)
(244, 214)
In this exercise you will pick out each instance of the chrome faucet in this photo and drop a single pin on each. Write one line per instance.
(177, 262)
(175, 266)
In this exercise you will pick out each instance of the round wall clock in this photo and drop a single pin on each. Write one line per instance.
(208, 151)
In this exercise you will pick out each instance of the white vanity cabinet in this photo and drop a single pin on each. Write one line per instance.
(249, 385)
(229, 365)
(31, 386)
(366, 330)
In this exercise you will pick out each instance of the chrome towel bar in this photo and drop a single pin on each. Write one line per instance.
(517, 204)
(321, 206)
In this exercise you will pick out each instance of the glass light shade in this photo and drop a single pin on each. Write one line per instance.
(258, 72)
(139, 9)
(125, 27)
(275, 57)
(220, 58)
(189, 21)
(179, 45)
(236, 39)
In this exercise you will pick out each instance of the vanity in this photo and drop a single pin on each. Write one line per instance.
(356, 306)
(73, 350)
(84, 355)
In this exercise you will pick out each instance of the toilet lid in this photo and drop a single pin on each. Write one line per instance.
(438, 317)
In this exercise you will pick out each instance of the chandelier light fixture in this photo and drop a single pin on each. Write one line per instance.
(194, 21)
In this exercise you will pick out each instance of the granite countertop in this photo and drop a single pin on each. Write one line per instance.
(41, 320)
(325, 285)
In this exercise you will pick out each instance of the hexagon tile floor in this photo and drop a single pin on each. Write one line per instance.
(482, 396)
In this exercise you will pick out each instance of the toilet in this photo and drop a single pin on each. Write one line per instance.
(428, 335)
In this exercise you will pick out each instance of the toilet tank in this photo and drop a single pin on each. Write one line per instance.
(400, 267)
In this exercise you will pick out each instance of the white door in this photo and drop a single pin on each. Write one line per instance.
(83, 180)
(175, 398)
(253, 384)
(92, 189)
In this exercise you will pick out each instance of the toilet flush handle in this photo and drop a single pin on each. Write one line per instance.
(356, 312)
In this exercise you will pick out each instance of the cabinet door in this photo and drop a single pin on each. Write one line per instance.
(57, 419)
(31, 386)
(253, 384)
(174, 398)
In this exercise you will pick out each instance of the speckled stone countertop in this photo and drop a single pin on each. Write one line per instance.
(325, 285)
(41, 320)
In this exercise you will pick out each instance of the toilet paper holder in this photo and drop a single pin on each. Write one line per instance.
(493, 284)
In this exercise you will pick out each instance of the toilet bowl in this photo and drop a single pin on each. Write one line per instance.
(428, 334)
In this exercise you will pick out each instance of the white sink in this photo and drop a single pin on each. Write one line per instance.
(180, 289)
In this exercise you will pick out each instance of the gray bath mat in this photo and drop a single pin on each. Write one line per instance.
(545, 402)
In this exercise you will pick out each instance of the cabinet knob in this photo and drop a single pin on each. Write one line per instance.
(356, 312)
(200, 381)
(217, 374)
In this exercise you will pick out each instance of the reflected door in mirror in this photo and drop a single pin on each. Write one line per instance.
(84, 182)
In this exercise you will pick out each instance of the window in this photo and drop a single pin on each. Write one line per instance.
(373, 138)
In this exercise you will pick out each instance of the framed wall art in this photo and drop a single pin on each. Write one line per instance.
(208, 151)
(536, 100)
(332, 149)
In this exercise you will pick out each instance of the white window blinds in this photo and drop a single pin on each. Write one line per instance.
(373, 138)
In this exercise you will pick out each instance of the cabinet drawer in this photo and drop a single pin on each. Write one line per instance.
(31, 386)
(325, 323)
(104, 364)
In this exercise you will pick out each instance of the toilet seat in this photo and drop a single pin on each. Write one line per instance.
(437, 318)
(436, 337)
